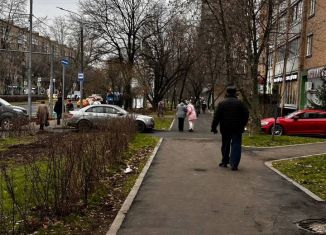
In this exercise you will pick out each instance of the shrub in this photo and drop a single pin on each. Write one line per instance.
(61, 181)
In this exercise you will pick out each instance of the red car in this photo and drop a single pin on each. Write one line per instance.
(302, 122)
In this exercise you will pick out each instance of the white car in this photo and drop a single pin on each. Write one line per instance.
(91, 115)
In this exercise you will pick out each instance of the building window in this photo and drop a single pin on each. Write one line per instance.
(280, 54)
(312, 8)
(309, 45)
(294, 48)
(282, 23)
(297, 12)
(270, 60)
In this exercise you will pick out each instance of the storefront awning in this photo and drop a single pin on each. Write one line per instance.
(316, 73)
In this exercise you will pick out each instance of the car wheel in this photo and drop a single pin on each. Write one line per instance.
(277, 130)
(140, 126)
(84, 125)
(6, 124)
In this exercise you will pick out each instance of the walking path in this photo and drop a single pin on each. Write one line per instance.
(185, 192)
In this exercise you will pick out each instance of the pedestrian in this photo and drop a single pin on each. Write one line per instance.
(42, 115)
(192, 116)
(58, 109)
(181, 114)
(197, 107)
(110, 98)
(69, 106)
(232, 116)
(203, 106)
(160, 109)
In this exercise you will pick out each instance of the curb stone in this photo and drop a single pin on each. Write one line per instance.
(115, 226)
(282, 146)
(269, 164)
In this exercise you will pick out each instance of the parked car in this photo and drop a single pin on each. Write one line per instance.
(11, 115)
(89, 116)
(302, 122)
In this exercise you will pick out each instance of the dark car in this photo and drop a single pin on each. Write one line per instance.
(11, 116)
(302, 122)
(91, 115)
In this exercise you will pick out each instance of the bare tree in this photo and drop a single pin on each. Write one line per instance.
(118, 24)
(166, 55)
(245, 27)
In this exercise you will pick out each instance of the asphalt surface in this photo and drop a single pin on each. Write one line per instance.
(185, 192)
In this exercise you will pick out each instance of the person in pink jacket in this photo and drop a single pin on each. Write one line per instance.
(192, 116)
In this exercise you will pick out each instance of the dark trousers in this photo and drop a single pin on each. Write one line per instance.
(231, 143)
(181, 122)
(58, 118)
(42, 126)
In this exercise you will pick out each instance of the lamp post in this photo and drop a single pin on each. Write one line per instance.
(30, 60)
(81, 81)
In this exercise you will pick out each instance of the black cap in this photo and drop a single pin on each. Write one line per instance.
(231, 89)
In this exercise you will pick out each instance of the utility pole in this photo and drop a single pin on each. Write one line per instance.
(51, 80)
(302, 48)
(81, 81)
(30, 60)
(286, 55)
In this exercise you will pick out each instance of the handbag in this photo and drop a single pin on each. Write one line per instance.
(47, 123)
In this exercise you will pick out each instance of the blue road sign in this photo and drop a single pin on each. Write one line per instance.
(80, 76)
(64, 62)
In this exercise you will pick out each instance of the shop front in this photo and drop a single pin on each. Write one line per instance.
(290, 94)
(313, 82)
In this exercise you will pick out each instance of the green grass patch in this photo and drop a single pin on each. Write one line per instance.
(309, 172)
(266, 140)
(137, 155)
(163, 123)
(140, 142)
(8, 142)
(17, 180)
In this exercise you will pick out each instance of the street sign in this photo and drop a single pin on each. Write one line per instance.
(39, 79)
(64, 62)
(38, 84)
(80, 76)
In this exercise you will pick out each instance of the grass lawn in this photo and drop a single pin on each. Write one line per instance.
(309, 172)
(8, 142)
(137, 155)
(266, 140)
(163, 123)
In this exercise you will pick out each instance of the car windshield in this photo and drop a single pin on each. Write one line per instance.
(3, 102)
(291, 115)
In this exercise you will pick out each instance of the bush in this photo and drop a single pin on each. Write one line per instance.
(61, 181)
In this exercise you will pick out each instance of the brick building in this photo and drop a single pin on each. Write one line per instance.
(296, 60)
(13, 55)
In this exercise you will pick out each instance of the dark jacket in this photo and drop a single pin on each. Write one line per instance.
(231, 114)
(58, 106)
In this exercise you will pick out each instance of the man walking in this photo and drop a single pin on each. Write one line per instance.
(232, 115)
(58, 109)
(181, 114)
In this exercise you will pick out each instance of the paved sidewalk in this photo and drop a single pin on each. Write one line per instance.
(185, 192)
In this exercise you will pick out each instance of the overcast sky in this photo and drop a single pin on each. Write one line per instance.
(48, 8)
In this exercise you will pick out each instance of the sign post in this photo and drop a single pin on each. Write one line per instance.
(64, 63)
(39, 79)
(81, 84)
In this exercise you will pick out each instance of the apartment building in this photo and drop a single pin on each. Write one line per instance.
(14, 54)
(296, 61)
